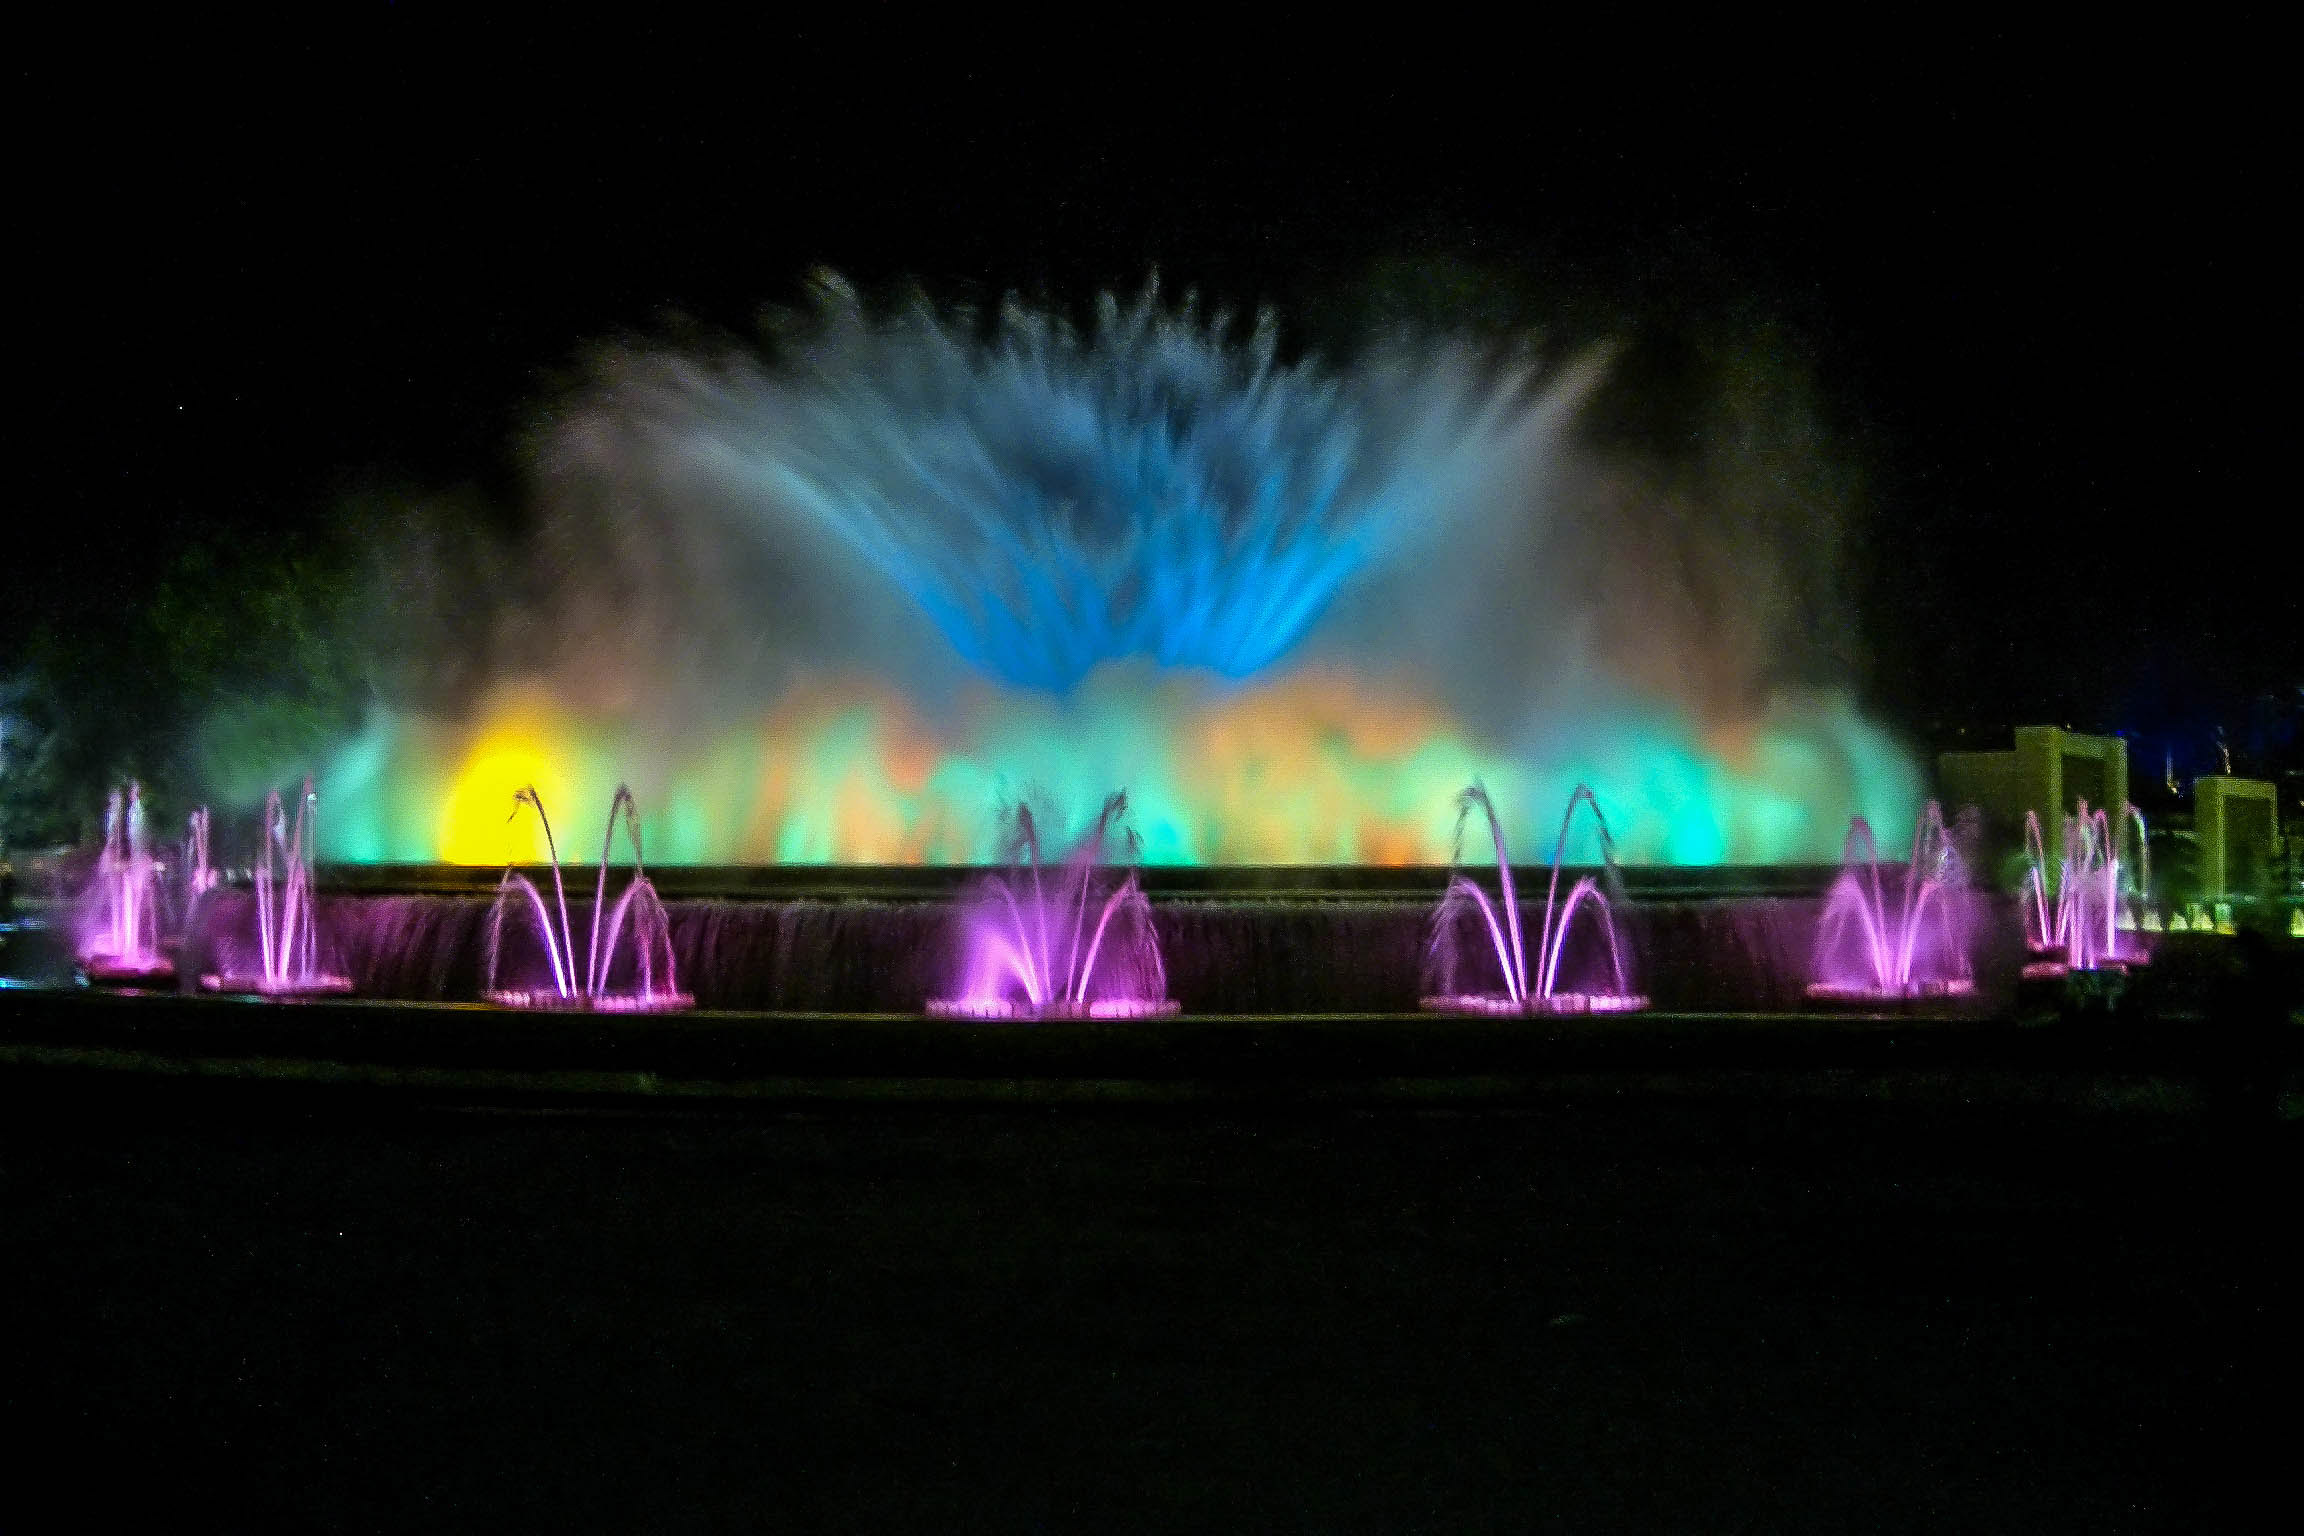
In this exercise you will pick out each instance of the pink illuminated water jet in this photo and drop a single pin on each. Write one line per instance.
(2090, 925)
(200, 875)
(1075, 942)
(121, 909)
(651, 983)
(287, 934)
(1523, 990)
(1872, 947)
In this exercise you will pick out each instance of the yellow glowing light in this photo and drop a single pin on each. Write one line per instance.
(524, 742)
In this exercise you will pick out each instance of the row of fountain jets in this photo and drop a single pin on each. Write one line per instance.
(126, 909)
(1073, 937)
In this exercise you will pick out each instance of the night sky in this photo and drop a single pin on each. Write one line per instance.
(2038, 280)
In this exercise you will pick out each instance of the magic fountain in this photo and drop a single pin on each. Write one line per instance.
(1522, 988)
(883, 570)
(640, 978)
(1072, 942)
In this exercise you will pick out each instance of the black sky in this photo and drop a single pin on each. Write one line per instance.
(2039, 279)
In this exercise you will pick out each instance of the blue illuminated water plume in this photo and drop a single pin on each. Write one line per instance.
(1153, 485)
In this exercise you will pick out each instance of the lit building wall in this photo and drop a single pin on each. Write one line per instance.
(2049, 772)
(2238, 824)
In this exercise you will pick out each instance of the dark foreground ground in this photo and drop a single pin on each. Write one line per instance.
(270, 1307)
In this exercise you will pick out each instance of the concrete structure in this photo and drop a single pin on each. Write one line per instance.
(2048, 772)
(2237, 822)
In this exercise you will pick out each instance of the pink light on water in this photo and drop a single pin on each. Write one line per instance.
(1072, 942)
(651, 981)
(121, 909)
(1521, 991)
(1875, 947)
(200, 875)
(2092, 922)
(287, 931)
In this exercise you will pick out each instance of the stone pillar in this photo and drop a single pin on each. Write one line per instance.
(2237, 822)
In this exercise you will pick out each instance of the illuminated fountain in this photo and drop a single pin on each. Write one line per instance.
(1519, 988)
(121, 912)
(645, 982)
(1072, 942)
(1895, 939)
(287, 929)
(2092, 923)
